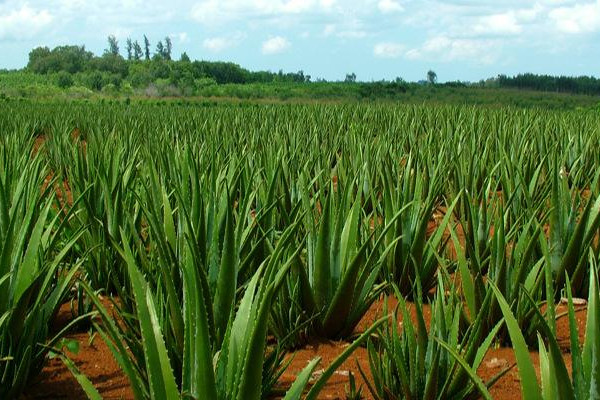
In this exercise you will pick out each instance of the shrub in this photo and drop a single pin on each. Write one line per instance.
(64, 80)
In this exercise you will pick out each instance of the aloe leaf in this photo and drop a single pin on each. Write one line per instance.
(529, 385)
(546, 372)
(160, 375)
(576, 360)
(591, 348)
(471, 372)
(322, 271)
(465, 276)
(198, 376)
(295, 391)
(339, 309)
(227, 280)
(90, 391)
(320, 383)
(28, 269)
(169, 224)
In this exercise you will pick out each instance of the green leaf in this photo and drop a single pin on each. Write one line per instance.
(27, 271)
(529, 384)
(295, 391)
(90, 391)
(320, 383)
(160, 375)
(322, 271)
(472, 373)
(227, 280)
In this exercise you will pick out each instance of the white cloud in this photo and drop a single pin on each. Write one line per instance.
(352, 31)
(23, 23)
(213, 12)
(580, 18)
(329, 30)
(388, 50)
(389, 6)
(446, 49)
(182, 37)
(499, 24)
(220, 43)
(352, 34)
(275, 45)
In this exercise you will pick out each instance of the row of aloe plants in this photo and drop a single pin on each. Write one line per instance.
(298, 228)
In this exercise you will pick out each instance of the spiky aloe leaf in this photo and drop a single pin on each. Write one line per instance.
(90, 391)
(320, 383)
(322, 272)
(339, 309)
(158, 366)
(227, 280)
(295, 391)
(470, 371)
(529, 385)
(591, 348)
(198, 378)
(28, 269)
(546, 372)
(576, 360)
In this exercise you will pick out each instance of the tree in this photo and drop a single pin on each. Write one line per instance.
(184, 57)
(168, 48)
(72, 59)
(37, 57)
(147, 47)
(129, 49)
(110, 63)
(160, 49)
(350, 78)
(431, 77)
(113, 46)
(137, 51)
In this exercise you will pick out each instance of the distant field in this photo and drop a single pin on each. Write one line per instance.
(36, 86)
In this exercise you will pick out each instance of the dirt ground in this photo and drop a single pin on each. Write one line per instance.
(96, 362)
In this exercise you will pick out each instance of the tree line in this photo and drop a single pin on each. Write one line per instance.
(141, 68)
(563, 84)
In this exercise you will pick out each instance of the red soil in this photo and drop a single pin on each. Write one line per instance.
(94, 360)
(97, 363)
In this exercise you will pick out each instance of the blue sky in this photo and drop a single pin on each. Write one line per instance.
(376, 39)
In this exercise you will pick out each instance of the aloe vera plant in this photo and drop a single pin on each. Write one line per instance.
(413, 254)
(340, 281)
(235, 360)
(555, 379)
(103, 176)
(34, 275)
(514, 267)
(409, 362)
(572, 235)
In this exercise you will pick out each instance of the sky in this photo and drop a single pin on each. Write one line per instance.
(464, 40)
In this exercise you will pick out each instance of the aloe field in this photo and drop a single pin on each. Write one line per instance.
(210, 247)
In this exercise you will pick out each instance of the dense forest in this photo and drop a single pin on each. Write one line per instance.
(143, 69)
(547, 83)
